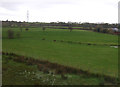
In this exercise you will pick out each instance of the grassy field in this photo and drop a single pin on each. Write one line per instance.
(94, 58)
(15, 73)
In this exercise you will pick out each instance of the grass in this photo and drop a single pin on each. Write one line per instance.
(75, 35)
(15, 73)
(96, 59)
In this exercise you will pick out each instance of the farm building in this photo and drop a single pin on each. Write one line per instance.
(116, 30)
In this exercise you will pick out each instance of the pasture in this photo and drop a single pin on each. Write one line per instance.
(67, 48)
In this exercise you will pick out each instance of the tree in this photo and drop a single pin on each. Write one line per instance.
(27, 25)
(98, 28)
(10, 34)
(43, 28)
(104, 30)
(70, 28)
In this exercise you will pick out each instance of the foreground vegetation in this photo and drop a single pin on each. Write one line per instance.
(17, 70)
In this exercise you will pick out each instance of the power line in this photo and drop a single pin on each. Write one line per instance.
(27, 16)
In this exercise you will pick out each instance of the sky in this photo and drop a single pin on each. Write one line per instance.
(92, 11)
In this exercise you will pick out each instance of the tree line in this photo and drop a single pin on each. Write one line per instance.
(68, 24)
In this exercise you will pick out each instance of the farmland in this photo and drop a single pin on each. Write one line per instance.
(81, 49)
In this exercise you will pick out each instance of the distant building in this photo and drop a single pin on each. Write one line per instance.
(115, 29)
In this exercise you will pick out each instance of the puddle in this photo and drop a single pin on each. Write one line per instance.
(114, 46)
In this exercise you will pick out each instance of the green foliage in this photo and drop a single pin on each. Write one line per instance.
(103, 30)
(97, 29)
(15, 73)
(12, 34)
(43, 28)
(110, 31)
(27, 29)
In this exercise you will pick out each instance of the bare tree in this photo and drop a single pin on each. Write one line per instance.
(70, 28)
(10, 34)
(43, 28)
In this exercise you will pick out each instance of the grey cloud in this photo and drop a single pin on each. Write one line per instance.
(15, 4)
(6, 14)
(10, 5)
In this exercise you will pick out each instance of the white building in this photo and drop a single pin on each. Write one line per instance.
(115, 29)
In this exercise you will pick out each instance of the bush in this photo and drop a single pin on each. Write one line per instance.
(43, 39)
(10, 34)
(43, 28)
(26, 29)
(110, 31)
(104, 30)
(100, 29)
(97, 29)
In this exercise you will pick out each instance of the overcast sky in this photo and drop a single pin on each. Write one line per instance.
(92, 11)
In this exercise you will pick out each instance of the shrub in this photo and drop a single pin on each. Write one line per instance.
(19, 59)
(10, 34)
(43, 28)
(63, 77)
(26, 29)
(43, 39)
(110, 31)
(89, 43)
(90, 28)
(97, 29)
(58, 71)
(46, 70)
(40, 67)
(62, 41)
(104, 30)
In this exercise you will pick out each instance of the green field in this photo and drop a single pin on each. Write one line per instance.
(15, 73)
(100, 59)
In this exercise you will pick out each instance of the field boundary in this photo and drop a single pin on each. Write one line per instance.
(44, 66)
(86, 43)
